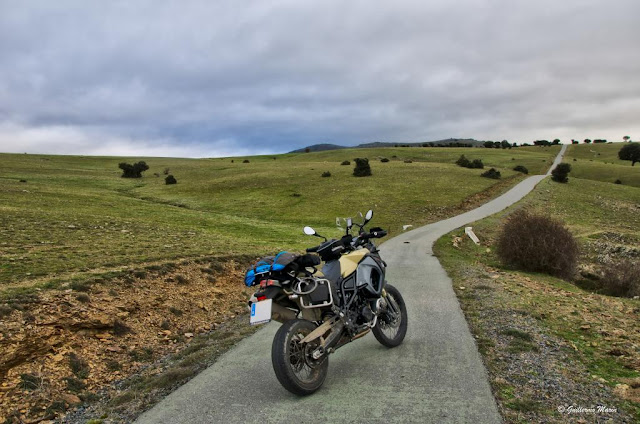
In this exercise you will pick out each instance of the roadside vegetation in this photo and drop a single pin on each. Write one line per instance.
(551, 342)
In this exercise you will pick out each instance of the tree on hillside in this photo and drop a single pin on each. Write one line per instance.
(626, 138)
(587, 141)
(541, 143)
(505, 144)
(630, 152)
(133, 171)
(574, 141)
(488, 144)
(556, 141)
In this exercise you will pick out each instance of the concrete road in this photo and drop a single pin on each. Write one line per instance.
(435, 376)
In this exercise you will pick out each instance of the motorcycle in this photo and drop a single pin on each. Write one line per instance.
(323, 310)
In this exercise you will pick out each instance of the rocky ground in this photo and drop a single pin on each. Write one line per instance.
(77, 345)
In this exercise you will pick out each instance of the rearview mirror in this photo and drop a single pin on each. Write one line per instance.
(369, 215)
(309, 231)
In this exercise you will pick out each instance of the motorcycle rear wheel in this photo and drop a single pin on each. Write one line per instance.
(391, 328)
(295, 370)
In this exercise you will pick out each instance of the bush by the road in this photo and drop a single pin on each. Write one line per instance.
(170, 179)
(538, 243)
(491, 173)
(561, 172)
(522, 169)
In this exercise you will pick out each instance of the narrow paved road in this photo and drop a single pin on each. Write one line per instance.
(435, 376)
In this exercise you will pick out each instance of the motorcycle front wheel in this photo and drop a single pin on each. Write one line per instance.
(295, 369)
(391, 326)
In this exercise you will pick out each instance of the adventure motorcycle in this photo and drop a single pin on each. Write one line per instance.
(322, 311)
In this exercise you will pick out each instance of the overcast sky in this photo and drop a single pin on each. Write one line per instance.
(214, 78)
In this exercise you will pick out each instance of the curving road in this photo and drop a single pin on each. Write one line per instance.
(435, 376)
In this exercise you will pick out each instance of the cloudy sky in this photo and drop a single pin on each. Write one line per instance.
(213, 78)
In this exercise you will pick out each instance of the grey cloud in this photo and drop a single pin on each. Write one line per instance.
(274, 76)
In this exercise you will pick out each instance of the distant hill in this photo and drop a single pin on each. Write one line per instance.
(319, 148)
(446, 142)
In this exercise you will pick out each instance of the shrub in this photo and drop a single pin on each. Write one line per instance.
(326, 174)
(133, 171)
(81, 286)
(560, 172)
(491, 173)
(166, 171)
(537, 243)
(618, 182)
(30, 382)
(113, 365)
(74, 385)
(83, 298)
(522, 169)
(345, 162)
(362, 168)
(466, 163)
(463, 161)
(384, 160)
(408, 161)
(120, 328)
(477, 164)
(5, 310)
(79, 367)
(245, 161)
(170, 180)
(621, 278)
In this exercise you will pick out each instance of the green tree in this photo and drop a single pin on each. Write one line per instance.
(630, 152)
(626, 138)
(587, 141)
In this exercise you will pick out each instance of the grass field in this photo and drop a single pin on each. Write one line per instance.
(600, 162)
(583, 339)
(75, 214)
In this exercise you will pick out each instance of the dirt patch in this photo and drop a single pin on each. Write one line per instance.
(62, 347)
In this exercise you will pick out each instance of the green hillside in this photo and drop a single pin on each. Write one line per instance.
(600, 162)
(75, 214)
